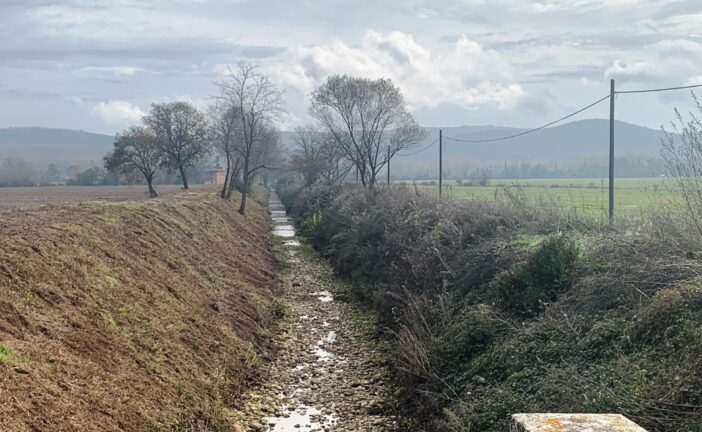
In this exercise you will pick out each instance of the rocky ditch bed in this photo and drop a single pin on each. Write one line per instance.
(329, 372)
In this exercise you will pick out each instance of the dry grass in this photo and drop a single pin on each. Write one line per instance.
(131, 316)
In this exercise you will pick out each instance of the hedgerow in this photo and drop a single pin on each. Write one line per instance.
(501, 308)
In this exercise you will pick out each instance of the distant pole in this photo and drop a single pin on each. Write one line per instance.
(441, 145)
(388, 164)
(611, 153)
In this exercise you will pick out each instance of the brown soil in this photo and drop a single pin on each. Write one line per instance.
(132, 316)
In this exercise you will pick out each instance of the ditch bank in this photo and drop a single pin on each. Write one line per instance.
(133, 316)
(497, 309)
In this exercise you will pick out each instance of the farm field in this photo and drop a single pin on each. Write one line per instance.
(29, 197)
(578, 197)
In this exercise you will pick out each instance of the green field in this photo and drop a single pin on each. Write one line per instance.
(576, 197)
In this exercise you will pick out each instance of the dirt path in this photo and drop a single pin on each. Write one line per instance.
(329, 373)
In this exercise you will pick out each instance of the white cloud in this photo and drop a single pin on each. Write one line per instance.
(462, 73)
(118, 112)
(635, 71)
(199, 103)
(670, 62)
(113, 70)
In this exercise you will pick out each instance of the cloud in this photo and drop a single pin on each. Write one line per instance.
(635, 71)
(118, 112)
(113, 70)
(670, 62)
(461, 73)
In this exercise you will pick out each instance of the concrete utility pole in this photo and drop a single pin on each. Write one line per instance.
(611, 153)
(441, 171)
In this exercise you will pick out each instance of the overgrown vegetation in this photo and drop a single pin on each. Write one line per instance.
(497, 308)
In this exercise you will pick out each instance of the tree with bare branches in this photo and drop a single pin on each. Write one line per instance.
(226, 134)
(316, 157)
(682, 155)
(183, 135)
(258, 105)
(367, 120)
(136, 151)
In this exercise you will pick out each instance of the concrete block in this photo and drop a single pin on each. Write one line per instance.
(573, 423)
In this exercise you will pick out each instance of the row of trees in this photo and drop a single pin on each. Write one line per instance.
(361, 124)
(175, 136)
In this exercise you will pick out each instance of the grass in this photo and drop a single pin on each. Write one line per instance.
(6, 354)
(584, 197)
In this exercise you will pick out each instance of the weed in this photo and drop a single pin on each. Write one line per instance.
(109, 320)
(279, 308)
(6, 354)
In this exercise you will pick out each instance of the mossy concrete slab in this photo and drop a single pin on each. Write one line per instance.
(573, 423)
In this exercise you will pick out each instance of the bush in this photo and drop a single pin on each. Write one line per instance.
(492, 313)
(547, 274)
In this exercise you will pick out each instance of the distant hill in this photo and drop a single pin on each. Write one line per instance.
(42, 146)
(578, 139)
(584, 139)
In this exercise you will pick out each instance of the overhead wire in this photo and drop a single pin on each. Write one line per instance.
(531, 130)
(422, 149)
(652, 90)
(659, 89)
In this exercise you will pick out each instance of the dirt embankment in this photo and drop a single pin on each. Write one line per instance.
(131, 316)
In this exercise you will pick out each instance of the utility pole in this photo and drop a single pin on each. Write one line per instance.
(441, 144)
(611, 153)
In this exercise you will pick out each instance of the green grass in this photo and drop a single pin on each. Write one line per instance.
(6, 354)
(580, 197)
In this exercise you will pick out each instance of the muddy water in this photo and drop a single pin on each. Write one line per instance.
(328, 373)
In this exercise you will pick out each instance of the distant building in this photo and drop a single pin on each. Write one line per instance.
(216, 176)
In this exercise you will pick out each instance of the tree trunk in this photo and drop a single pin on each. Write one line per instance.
(183, 177)
(152, 191)
(234, 183)
(224, 193)
(244, 194)
(246, 176)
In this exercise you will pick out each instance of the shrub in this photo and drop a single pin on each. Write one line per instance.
(492, 313)
(547, 273)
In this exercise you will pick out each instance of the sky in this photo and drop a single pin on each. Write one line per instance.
(99, 65)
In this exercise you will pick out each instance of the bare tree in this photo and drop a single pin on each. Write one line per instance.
(316, 157)
(258, 104)
(307, 157)
(226, 133)
(336, 167)
(682, 154)
(136, 151)
(368, 121)
(183, 135)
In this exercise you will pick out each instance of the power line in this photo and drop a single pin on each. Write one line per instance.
(421, 150)
(531, 130)
(660, 89)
